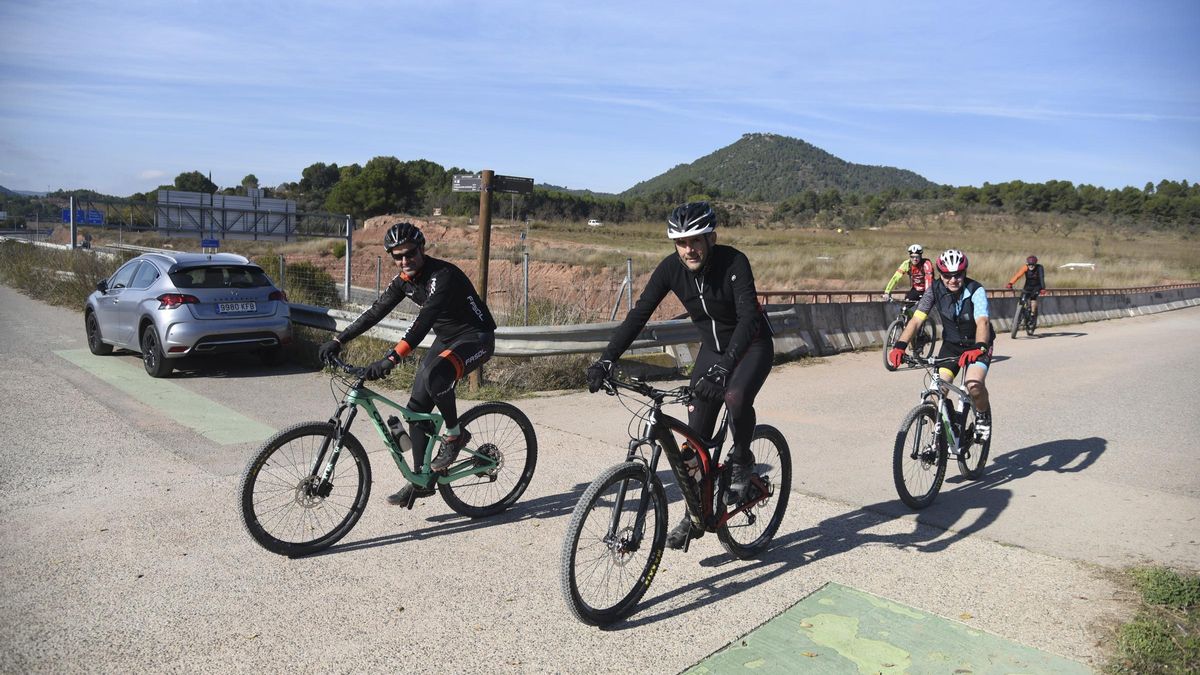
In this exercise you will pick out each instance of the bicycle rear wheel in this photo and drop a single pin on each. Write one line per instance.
(608, 561)
(748, 533)
(283, 506)
(919, 458)
(502, 434)
(893, 334)
(972, 459)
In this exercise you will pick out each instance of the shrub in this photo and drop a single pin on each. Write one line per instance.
(308, 284)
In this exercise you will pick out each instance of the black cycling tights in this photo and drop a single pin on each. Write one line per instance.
(743, 385)
(441, 369)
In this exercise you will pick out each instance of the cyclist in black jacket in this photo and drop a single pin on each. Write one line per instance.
(715, 285)
(464, 339)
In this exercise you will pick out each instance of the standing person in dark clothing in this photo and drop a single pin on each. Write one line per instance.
(715, 285)
(464, 340)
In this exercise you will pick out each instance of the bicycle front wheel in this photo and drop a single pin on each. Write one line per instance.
(925, 341)
(748, 533)
(893, 334)
(502, 434)
(609, 555)
(1018, 319)
(284, 506)
(919, 458)
(974, 455)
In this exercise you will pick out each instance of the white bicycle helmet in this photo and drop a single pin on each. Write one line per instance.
(952, 261)
(688, 220)
(915, 248)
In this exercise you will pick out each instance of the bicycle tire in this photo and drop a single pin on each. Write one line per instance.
(501, 431)
(601, 581)
(277, 510)
(919, 460)
(893, 334)
(747, 534)
(927, 342)
(1018, 318)
(971, 467)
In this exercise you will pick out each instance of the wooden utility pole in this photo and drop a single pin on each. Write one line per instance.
(485, 246)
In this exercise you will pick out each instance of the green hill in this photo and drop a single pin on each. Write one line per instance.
(769, 167)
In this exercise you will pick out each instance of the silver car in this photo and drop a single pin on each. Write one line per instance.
(171, 305)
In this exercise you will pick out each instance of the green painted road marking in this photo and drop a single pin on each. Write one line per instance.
(839, 629)
(212, 420)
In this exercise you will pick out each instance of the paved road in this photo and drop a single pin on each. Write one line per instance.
(122, 550)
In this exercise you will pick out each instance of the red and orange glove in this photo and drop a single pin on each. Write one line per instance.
(896, 355)
(972, 355)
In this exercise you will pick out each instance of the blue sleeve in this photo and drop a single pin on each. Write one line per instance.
(980, 303)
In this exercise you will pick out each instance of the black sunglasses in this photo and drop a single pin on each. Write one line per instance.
(410, 254)
(956, 275)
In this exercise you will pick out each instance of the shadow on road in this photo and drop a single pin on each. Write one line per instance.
(935, 529)
(1038, 336)
(446, 524)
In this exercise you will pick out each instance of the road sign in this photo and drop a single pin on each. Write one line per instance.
(210, 243)
(467, 184)
(512, 184)
(89, 217)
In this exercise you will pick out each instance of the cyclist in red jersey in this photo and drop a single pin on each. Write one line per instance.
(920, 271)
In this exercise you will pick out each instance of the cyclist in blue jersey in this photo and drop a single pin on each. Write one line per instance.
(967, 331)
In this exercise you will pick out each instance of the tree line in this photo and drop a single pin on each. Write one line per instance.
(388, 185)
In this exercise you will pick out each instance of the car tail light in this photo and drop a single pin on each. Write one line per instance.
(173, 300)
(277, 295)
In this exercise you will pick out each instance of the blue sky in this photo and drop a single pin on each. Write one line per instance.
(121, 97)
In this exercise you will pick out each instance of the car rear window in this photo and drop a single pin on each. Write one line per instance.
(220, 276)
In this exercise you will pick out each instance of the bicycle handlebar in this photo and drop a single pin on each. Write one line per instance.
(678, 394)
(349, 369)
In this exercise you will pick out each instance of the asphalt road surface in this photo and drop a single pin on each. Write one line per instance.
(122, 547)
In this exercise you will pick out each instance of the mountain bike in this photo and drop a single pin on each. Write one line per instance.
(923, 341)
(941, 426)
(618, 530)
(308, 485)
(1023, 318)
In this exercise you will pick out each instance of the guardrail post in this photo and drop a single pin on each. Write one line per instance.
(525, 267)
(629, 284)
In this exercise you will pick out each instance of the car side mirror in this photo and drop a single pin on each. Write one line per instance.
(102, 285)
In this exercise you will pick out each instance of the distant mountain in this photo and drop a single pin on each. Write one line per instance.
(571, 191)
(770, 167)
(21, 193)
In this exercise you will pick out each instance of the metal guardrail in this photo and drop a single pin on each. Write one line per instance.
(824, 324)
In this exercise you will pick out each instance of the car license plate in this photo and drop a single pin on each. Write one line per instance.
(235, 307)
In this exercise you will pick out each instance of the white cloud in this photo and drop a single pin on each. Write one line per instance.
(150, 174)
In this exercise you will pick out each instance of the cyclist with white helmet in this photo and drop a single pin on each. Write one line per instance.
(464, 339)
(920, 272)
(1035, 285)
(715, 285)
(967, 332)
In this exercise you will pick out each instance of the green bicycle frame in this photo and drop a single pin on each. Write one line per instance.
(471, 465)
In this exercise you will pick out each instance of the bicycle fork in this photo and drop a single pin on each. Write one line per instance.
(321, 477)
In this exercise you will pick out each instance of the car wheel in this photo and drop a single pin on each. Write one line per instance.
(92, 327)
(152, 354)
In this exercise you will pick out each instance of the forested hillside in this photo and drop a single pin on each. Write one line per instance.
(772, 168)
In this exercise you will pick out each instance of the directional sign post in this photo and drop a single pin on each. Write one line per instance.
(513, 185)
(467, 184)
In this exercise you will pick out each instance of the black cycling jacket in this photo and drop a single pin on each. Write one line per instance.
(449, 306)
(720, 299)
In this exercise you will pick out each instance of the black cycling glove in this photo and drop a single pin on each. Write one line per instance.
(328, 350)
(711, 386)
(597, 373)
(380, 369)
